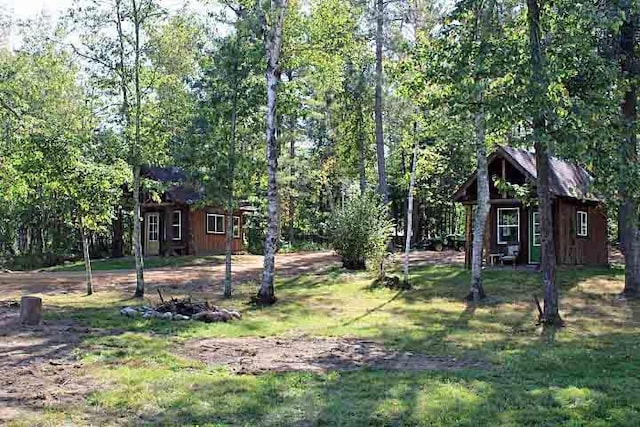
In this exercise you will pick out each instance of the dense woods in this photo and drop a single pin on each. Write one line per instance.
(297, 107)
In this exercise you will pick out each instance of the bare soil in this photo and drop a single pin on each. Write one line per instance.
(38, 368)
(251, 355)
(200, 278)
(37, 365)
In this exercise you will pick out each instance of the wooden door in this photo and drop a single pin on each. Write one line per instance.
(152, 234)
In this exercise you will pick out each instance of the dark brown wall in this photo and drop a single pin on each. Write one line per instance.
(576, 250)
(203, 243)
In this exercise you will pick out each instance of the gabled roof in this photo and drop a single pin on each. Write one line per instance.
(179, 189)
(567, 180)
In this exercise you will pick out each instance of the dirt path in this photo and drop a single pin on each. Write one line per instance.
(201, 277)
(38, 367)
(251, 355)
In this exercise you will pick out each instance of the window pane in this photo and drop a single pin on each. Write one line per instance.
(210, 224)
(236, 226)
(219, 224)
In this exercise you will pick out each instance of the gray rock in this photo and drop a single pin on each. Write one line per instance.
(235, 314)
(180, 317)
(151, 314)
(168, 315)
(129, 312)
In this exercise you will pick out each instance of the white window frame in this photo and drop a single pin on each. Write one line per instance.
(533, 229)
(236, 227)
(177, 236)
(501, 242)
(582, 223)
(215, 222)
(150, 223)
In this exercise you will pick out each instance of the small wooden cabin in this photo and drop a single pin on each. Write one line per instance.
(579, 218)
(176, 224)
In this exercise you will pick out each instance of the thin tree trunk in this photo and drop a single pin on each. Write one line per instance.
(137, 229)
(476, 292)
(137, 234)
(361, 151)
(229, 238)
(628, 213)
(412, 182)
(273, 43)
(550, 315)
(292, 156)
(382, 172)
(87, 258)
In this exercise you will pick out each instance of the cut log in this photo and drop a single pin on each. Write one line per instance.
(30, 310)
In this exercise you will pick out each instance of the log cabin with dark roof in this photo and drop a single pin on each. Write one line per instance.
(579, 217)
(175, 221)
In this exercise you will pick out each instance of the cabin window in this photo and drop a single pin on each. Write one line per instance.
(215, 224)
(153, 227)
(583, 226)
(176, 225)
(508, 225)
(236, 227)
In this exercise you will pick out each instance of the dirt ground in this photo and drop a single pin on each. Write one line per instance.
(249, 355)
(39, 369)
(37, 365)
(202, 277)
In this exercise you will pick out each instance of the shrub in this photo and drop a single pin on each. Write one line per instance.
(360, 231)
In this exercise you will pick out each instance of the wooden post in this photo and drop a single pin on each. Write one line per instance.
(30, 311)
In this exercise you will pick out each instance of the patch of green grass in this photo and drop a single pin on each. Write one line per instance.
(129, 263)
(585, 374)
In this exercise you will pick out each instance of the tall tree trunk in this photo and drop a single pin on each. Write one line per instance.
(550, 315)
(409, 229)
(292, 156)
(273, 42)
(136, 158)
(383, 188)
(476, 292)
(361, 151)
(87, 258)
(137, 234)
(229, 237)
(628, 214)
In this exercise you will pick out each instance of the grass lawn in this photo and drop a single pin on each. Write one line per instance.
(586, 374)
(129, 263)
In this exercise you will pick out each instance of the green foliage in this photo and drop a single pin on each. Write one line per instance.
(360, 231)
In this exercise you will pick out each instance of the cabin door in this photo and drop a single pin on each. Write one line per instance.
(152, 234)
(534, 237)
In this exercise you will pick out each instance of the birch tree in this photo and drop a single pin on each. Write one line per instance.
(271, 22)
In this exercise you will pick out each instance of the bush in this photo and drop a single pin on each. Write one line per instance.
(360, 232)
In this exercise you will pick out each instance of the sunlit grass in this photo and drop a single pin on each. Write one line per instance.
(585, 374)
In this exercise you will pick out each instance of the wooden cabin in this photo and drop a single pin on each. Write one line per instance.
(579, 218)
(175, 223)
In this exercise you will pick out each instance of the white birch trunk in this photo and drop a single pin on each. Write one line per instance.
(273, 43)
(87, 259)
(409, 232)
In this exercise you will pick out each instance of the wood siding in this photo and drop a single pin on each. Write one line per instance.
(572, 249)
(204, 243)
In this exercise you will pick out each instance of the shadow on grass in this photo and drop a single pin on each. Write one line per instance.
(586, 374)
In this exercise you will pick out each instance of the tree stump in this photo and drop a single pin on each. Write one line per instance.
(30, 311)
